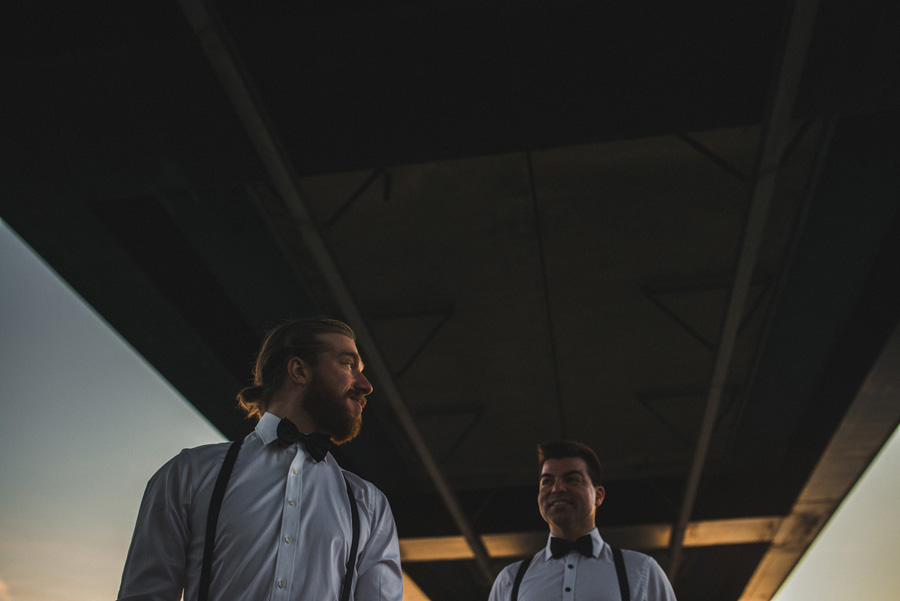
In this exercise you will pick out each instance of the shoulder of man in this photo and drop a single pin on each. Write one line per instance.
(503, 583)
(650, 576)
(209, 454)
(637, 559)
(194, 460)
(635, 556)
(372, 503)
(508, 574)
(364, 490)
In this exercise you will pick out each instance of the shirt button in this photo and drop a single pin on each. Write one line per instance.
(292, 502)
(568, 589)
(282, 584)
(571, 566)
(294, 470)
(288, 539)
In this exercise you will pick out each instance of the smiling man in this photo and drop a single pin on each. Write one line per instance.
(576, 564)
(273, 516)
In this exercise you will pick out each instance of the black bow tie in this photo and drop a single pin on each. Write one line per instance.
(560, 547)
(317, 444)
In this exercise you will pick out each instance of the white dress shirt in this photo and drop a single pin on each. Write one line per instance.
(284, 531)
(576, 577)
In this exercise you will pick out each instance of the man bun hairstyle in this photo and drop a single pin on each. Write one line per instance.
(561, 449)
(293, 338)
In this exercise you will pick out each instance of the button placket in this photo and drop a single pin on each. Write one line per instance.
(569, 574)
(285, 555)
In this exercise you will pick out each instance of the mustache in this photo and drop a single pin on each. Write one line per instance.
(558, 497)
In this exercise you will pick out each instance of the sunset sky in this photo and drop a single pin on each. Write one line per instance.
(86, 421)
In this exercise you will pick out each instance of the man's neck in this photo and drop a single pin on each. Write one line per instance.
(570, 534)
(291, 409)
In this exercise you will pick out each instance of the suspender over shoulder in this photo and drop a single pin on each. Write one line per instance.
(520, 573)
(212, 520)
(354, 544)
(624, 589)
(621, 574)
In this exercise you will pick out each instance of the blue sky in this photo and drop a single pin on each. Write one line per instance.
(85, 421)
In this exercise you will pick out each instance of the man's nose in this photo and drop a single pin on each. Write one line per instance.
(363, 385)
(558, 485)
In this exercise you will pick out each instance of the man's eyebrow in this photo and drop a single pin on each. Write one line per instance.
(351, 355)
(569, 473)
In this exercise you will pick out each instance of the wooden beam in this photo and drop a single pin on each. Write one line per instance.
(411, 590)
(708, 533)
(869, 422)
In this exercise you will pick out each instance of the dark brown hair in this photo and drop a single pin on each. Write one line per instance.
(294, 338)
(560, 449)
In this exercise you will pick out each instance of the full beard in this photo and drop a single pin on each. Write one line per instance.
(332, 413)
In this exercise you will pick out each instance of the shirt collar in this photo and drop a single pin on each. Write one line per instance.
(267, 429)
(595, 538)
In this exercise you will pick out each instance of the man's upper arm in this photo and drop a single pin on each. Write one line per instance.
(502, 584)
(379, 577)
(658, 586)
(155, 565)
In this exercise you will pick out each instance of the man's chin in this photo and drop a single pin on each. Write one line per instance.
(556, 514)
(347, 433)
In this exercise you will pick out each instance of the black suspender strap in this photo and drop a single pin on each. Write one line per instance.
(622, 574)
(514, 596)
(212, 518)
(354, 544)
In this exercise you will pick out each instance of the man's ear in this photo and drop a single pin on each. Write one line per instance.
(298, 371)
(600, 495)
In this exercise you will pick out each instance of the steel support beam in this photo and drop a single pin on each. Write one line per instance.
(214, 41)
(775, 137)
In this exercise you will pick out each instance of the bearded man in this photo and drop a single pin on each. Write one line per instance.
(273, 516)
